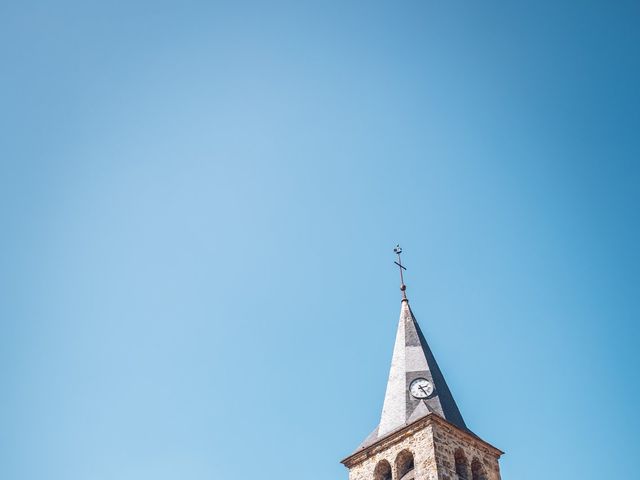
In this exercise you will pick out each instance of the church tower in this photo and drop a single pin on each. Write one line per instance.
(421, 434)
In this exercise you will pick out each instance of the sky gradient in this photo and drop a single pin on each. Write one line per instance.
(199, 202)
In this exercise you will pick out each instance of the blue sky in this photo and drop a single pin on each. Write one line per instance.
(199, 202)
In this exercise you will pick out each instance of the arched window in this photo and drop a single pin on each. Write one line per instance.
(477, 471)
(462, 467)
(405, 465)
(382, 471)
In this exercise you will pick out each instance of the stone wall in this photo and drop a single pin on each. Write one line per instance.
(433, 443)
(448, 439)
(420, 445)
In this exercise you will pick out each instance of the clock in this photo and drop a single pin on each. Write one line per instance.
(421, 388)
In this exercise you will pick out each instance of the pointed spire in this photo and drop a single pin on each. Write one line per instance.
(415, 380)
(416, 386)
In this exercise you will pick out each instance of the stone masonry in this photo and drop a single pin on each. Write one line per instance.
(432, 442)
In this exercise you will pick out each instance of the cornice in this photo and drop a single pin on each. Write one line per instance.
(408, 430)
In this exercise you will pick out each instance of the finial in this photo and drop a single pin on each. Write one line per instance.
(403, 287)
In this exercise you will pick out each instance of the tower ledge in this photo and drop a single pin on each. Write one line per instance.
(410, 430)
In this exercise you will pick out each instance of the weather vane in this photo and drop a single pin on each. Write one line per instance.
(403, 287)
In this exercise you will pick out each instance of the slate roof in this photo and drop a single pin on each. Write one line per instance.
(412, 358)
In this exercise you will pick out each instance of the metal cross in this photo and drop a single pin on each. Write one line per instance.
(403, 287)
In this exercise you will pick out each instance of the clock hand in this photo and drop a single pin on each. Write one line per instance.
(423, 390)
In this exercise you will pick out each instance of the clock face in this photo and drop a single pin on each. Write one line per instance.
(421, 388)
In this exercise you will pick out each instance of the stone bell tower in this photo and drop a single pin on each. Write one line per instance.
(421, 434)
